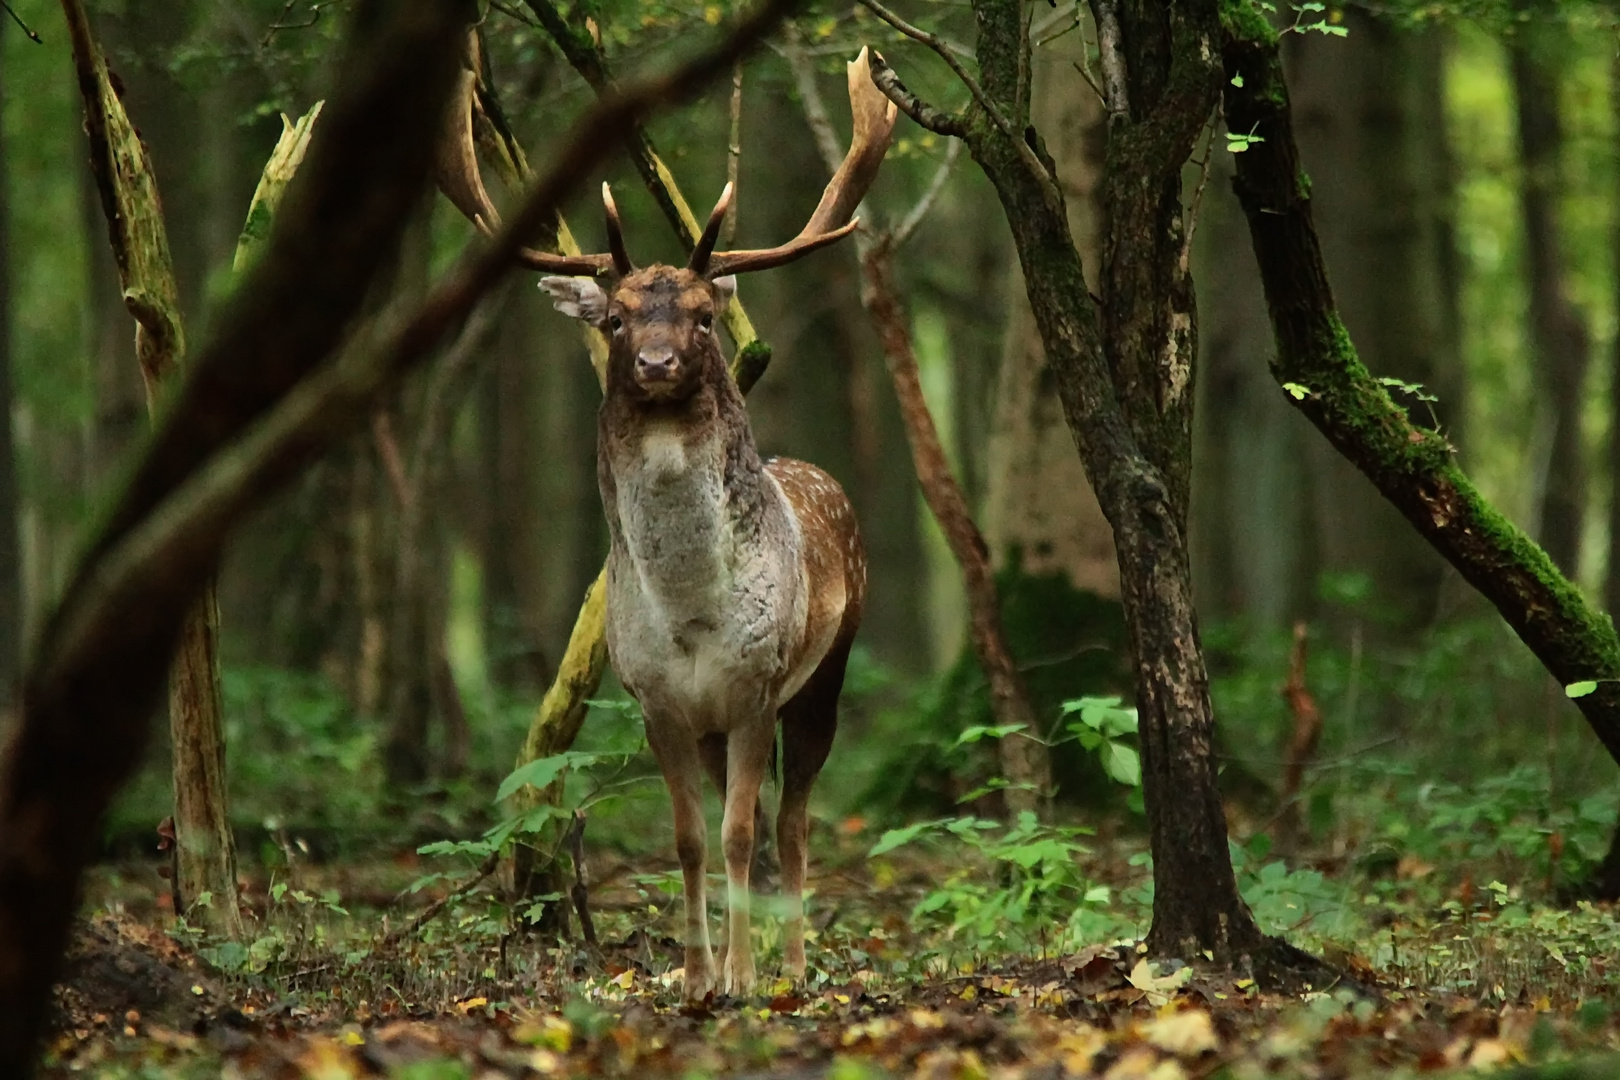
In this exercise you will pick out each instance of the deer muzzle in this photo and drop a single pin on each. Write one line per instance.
(656, 366)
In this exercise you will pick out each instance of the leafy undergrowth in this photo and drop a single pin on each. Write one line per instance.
(961, 949)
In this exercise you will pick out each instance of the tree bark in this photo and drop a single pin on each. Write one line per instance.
(1025, 764)
(1123, 374)
(97, 673)
(1611, 588)
(11, 608)
(1558, 331)
(1414, 468)
(1041, 516)
(423, 685)
(205, 852)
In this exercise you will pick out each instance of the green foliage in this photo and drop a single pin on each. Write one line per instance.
(1018, 887)
(1103, 723)
(1069, 644)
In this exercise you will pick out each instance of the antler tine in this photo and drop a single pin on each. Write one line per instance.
(461, 180)
(615, 232)
(874, 117)
(699, 262)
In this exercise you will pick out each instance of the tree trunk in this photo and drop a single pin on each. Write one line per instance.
(1252, 520)
(1041, 516)
(1051, 547)
(11, 611)
(1025, 763)
(1365, 137)
(98, 671)
(1124, 377)
(1558, 330)
(1413, 467)
(206, 861)
(1606, 879)
(205, 850)
(1611, 588)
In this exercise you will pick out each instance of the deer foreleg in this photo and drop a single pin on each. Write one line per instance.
(677, 756)
(748, 752)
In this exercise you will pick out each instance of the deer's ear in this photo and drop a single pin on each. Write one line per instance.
(578, 298)
(724, 289)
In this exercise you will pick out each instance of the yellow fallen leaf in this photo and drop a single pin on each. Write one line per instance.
(1077, 1048)
(350, 1036)
(1145, 977)
(545, 1062)
(1489, 1052)
(466, 1007)
(326, 1059)
(1185, 1034)
(625, 978)
(549, 1032)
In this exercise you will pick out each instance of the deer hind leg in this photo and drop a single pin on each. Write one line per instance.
(678, 759)
(748, 753)
(809, 722)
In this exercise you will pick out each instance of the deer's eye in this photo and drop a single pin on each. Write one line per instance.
(706, 323)
(615, 323)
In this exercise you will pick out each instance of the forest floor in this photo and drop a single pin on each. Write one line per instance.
(337, 982)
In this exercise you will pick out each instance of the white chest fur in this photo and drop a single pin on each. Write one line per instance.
(703, 605)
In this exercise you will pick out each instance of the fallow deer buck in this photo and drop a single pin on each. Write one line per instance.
(735, 584)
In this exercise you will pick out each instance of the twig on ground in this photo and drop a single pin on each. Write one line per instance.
(580, 892)
(432, 911)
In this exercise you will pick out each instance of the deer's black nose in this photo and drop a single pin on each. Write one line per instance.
(655, 363)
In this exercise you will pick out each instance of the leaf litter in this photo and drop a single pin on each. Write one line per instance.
(137, 1002)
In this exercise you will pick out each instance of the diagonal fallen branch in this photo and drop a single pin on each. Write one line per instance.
(1321, 375)
(261, 403)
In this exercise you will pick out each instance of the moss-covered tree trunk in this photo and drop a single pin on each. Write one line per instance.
(204, 884)
(1319, 371)
(1366, 136)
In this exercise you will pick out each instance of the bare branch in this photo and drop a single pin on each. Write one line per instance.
(941, 123)
(815, 107)
(734, 152)
(1116, 96)
(926, 115)
(945, 54)
(1198, 192)
(909, 223)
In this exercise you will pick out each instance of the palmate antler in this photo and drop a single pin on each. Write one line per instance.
(463, 183)
(833, 219)
(874, 116)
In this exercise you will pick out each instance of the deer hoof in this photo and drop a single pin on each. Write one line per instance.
(739, 981)
(699, 982)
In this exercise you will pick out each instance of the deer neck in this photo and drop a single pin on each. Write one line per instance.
(688, 499)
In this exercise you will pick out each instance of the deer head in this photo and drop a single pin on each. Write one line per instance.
(660, 320)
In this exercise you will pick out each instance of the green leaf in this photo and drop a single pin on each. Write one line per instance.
(896, 838)
(981, 731)
(1580, 689)
(1122, 763)
(1237, 80)
(540, 773)
(1296, 391)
